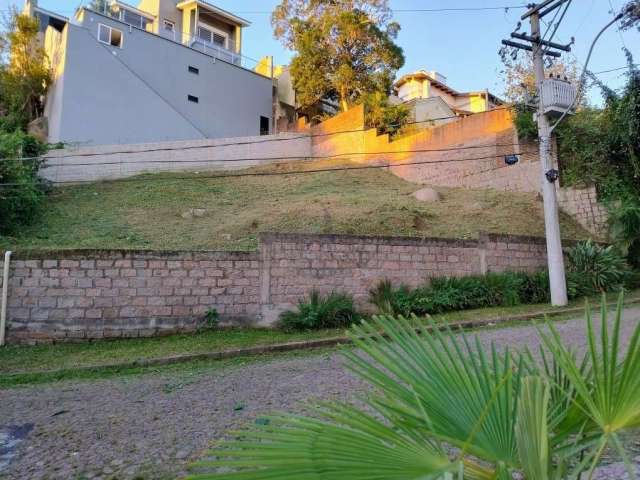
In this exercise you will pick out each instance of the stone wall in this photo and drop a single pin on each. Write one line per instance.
(582, 204)
(95, 294)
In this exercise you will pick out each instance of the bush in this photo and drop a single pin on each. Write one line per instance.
(625, 227)
(332, 311)
(594, 268)
(383, 116)
(389, 300)
(20, 202)
(462, 293)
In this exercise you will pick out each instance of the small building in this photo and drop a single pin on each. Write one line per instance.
(160, 71)
(433, 100)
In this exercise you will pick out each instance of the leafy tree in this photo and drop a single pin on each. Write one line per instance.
(344, 48)
(519, 79)
(443, 406)
(24, 76)
(24, 73)
(632, 15)
(383, 116)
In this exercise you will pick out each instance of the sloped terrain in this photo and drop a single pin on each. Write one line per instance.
(191, 211)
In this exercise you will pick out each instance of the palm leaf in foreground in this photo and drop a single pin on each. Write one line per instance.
(341, 442)
(443, 408)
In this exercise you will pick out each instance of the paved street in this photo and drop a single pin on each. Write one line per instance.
(151, 426)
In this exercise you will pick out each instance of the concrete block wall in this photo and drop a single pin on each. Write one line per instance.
(79, 295)
(582, 204)
(102, 294)
(223, 154)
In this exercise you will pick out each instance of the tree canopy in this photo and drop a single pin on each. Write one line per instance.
(24, 73)
(345, 49)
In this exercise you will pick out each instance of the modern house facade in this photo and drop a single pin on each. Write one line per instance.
(432, 99)
(161, 71)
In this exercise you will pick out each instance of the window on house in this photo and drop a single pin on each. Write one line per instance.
(169, 26)
(213, 37)
(110, 36)
(264, 125)
(133, 18)
(194, 70)
(193, 98)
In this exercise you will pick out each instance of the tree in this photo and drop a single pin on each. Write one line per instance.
(632, 15)
(344, 48)
(24, 73)
(519, 79)
(24, 77)
(442, 406)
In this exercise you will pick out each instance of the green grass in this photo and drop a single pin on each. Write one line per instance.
(16, 358)
(30, 364)
(188, 372)
(149, 213)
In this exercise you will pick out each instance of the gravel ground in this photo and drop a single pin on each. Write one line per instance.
(153, 425)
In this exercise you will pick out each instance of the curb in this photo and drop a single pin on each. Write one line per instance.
(304, 345)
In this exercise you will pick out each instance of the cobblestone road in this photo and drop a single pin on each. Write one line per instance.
(153, 425)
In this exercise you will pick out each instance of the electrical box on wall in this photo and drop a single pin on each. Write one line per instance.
(557, 96)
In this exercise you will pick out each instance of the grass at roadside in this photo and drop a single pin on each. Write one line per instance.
(188, 371)
(71, 360)
(152, 212)
(16, 358)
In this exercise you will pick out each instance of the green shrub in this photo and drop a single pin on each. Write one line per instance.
(383, 116)
(594, 268)
(332, 311)
(625, 227)
(526, 126)
(462, 293)
(20, 201)
(389, 300)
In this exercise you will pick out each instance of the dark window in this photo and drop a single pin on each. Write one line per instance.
(194, 70)
(264, 125)
(193, 99)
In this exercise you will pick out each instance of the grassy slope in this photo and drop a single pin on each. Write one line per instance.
(148, 213)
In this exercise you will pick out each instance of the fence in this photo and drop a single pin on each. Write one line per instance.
(71, 295)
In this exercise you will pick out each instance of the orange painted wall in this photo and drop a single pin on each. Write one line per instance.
(468, 152)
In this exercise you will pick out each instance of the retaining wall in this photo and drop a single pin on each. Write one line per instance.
(82, 164)
(468, 152)
(582, 204)
(72, 295)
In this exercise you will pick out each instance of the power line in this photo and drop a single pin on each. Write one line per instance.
(228, 144)
(615, 69)
(271, 159)
(400, 10)
(268, 174)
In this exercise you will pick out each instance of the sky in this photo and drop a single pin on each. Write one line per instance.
(462, 45)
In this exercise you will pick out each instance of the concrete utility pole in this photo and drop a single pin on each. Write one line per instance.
(539, 48)
(555, 258)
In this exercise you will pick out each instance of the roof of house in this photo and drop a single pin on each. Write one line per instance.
(49, 13)
(423, 75)
(217, 10)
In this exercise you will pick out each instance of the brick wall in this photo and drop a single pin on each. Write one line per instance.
(582, 204)
(95, 294)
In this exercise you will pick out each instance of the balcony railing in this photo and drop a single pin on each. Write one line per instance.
(204, 40)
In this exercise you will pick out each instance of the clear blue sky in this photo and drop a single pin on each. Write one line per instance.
(461, 45)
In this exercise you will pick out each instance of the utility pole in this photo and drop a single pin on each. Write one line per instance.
(539, 48)
(555, 257)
